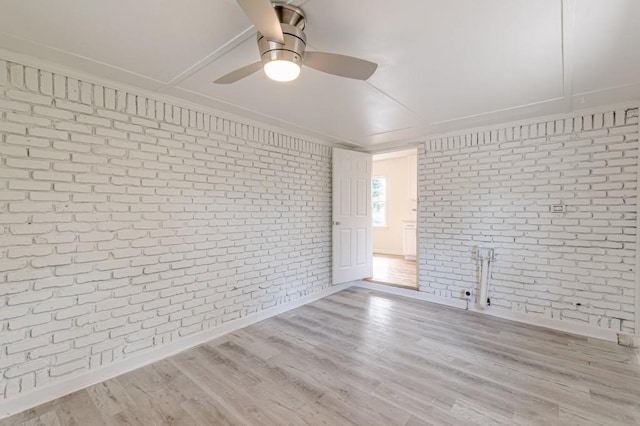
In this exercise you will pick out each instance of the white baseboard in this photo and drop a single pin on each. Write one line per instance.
(413, 294)
(61, 388)
(564, 326)
(391, 252)
(55, 390)
(395, 253)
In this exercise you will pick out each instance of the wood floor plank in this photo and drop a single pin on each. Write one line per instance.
(109, 397)
(47, 419)
(78, 409)
(366, 358)
(394, 270)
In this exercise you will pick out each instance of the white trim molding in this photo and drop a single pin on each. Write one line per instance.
(45, 394)
(564, 326)
(385, 251)
(59, 389)
(413, 294)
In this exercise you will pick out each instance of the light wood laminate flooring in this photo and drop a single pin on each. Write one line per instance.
(368, 358)
(394, 270)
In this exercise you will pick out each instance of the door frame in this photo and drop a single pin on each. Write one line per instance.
(417, 267)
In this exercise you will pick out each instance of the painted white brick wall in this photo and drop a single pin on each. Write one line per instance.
(127, 223)
(495, 188)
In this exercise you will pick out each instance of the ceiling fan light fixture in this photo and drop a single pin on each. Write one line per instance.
(282, 46)
(282, 70)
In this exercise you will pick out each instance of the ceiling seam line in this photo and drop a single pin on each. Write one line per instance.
(383, 93)
(211, 57)
(86, 58)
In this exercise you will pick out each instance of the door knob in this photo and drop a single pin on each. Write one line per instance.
(336, 223)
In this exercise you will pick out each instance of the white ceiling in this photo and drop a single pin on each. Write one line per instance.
(444, 65)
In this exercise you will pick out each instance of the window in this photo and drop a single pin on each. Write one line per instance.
(379, 201)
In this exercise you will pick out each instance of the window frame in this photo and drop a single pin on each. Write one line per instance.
(384, 203)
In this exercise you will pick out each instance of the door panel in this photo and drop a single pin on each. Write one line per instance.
(363, 197)
(345, 197)
(352, 216)
(362, 246)
(345, 242)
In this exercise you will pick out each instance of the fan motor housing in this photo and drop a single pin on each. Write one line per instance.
(293, 21)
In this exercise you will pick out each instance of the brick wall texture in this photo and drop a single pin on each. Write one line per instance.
(496, 189)
(128, 223)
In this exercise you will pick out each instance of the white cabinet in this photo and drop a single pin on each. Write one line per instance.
(412, 171)
(409, 240)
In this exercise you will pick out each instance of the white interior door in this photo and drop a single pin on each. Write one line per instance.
(352, 220)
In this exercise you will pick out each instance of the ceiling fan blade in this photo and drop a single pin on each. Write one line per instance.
(239, 74)
(264, 17)
(341, 65)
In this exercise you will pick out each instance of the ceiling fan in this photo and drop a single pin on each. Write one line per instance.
(282, 43)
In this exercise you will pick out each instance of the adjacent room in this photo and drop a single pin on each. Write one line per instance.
(394, 200)
(319, 212)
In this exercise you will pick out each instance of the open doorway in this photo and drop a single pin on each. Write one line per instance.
(394, 206)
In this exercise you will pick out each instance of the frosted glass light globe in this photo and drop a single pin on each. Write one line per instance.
(282, 70)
